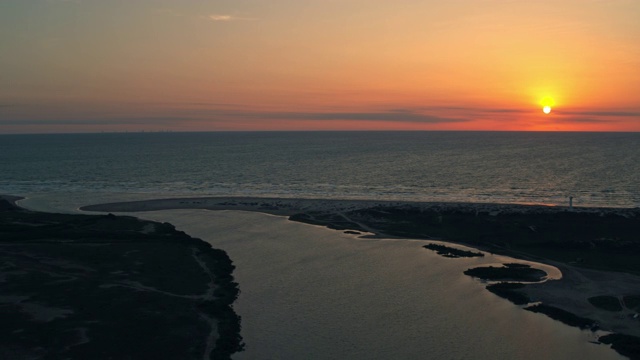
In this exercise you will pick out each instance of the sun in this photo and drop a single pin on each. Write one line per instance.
(547, 102)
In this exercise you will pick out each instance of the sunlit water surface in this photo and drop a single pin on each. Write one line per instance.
(596, 169)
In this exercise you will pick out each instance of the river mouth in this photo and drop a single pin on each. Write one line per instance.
(311, 292)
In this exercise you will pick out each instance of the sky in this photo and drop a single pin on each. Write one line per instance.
(261, 65)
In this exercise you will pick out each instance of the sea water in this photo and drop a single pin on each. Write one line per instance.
(596, 169)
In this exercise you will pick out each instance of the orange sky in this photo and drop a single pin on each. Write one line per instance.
(91, 65)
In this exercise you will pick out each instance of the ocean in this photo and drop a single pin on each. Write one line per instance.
(308, 292)
(596, 169)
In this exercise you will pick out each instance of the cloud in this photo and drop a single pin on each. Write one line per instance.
(506, 111)
(582, 120)
(581, 116)
(150, 120)
(375, 116)
(467, 109)
(595, 117)
(226, 17)
(601, 113)
(221, 17)
(393, 115)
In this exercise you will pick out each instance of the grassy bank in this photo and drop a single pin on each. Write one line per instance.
(105, 286)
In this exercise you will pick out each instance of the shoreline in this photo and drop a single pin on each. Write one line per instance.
(570, 293)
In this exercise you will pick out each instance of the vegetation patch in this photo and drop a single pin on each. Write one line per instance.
(626, 345)
(507, 272)
(451, 252)
(111, 287)
(632, 302)
(609, 303)
(564, 316)
(510, 292)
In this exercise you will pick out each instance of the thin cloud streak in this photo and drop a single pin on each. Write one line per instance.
(227, 18)
(220, 17)
(219, 116)
(601, 113)
(467, 109)
(402, 116)
(379, 116)
(581, 120)
(100, 121)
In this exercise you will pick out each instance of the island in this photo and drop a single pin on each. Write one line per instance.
(451, 252)
(111, 287)
(511, 272)
(596, 249)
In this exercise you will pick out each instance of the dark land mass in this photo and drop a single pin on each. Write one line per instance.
(626, 345)
(511, 272)
(450, 252)
(604, 239)
(111, 287)
(609, 303)
(632, 302)
(509, 291)
(563, 316)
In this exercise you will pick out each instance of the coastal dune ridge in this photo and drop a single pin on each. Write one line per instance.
(290, 206)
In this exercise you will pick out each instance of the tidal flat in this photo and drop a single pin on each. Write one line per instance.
(106, 286)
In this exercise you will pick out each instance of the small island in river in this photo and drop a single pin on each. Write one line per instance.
(111, 287)
(508, 272)
(451, 252)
